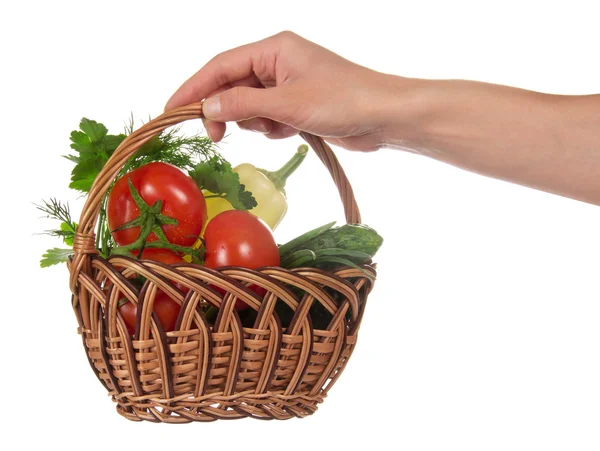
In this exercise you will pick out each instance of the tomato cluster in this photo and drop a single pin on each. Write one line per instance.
(163, 203)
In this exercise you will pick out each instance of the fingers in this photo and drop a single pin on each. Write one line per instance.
(241, 103)
(262, 110)
(272, 130)
(216, 130)
(232, 86)
(281, 131)
(259, 125)
(228, 67)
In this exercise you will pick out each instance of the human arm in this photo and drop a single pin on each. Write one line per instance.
(547, 142)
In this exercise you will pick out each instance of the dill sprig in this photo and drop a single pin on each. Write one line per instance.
(54, 209)
(170, 147)
(173, 148)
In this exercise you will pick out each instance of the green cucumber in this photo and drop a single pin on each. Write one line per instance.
(298, 243)
(337, 241)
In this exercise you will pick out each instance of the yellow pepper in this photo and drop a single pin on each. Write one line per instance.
(267, 188)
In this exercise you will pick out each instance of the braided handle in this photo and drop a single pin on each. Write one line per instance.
(84, 242)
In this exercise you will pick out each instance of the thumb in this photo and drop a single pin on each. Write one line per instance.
(241, 103)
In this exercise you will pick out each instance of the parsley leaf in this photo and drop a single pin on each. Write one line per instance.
(85, 172)
(94, 130)
(93, 146)
(55, 256)
(217, 176)
(67, 232)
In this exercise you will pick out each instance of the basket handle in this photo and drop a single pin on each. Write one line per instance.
(84, 242)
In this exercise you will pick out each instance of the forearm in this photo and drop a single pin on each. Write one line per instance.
(547, 142)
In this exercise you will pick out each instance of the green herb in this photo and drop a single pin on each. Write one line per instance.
(169, 147)
(216, 175)
(55, 256)
(54, 209)
(93, 146)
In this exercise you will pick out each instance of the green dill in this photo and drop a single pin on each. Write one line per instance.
(54, 209)
(172, 148)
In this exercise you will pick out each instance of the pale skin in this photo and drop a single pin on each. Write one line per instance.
(285, 84)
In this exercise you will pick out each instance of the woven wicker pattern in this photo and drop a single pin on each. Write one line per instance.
(204, 371)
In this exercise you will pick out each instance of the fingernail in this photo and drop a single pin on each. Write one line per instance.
(288, 130)
(259, 128)
(212, 107)
(168, 104)
(209, 134)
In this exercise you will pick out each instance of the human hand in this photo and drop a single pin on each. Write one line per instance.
(285, 84)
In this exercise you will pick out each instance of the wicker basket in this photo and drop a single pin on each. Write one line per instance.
(202, 371)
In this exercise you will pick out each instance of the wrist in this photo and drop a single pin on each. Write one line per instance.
(407, 110)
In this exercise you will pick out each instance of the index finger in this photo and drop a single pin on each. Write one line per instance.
(225, 68)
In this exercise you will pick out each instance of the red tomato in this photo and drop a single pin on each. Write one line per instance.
(238, 238)
(181, 197)
(165, 308)
(165, 256)
(167, 311)
(129, 312)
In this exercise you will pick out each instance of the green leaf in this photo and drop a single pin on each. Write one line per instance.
(111, 142)
(73, 158)
(93, 146)
(153, 147)
(54, 209)
(239, 198)
(94, 130)
(217, 176)
(170, 147)
(69, 232)
(85, 172)
(55, 256)
(80, 142)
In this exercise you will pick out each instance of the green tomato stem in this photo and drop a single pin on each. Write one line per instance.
(151, 220)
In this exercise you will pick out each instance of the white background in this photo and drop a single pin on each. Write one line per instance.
(482, 332)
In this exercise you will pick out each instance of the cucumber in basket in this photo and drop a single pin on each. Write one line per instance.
(326, 246)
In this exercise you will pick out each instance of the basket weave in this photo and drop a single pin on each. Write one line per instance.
(203, 372)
